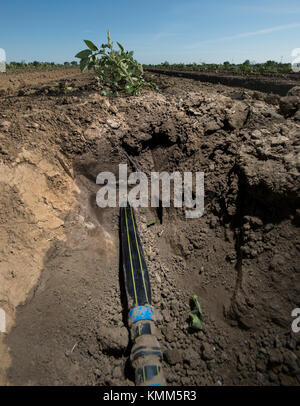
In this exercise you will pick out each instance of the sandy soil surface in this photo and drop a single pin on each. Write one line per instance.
(60, 280)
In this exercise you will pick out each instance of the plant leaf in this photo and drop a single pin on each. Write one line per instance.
(91, 45)
(105, 92)
(197, 305)
(83, 54)
(195, 322)
(196, 316)
(151, 223)
(84, 64)
(120, 46)
(90, 65)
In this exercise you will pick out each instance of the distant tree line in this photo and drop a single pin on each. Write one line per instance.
(39, 65)
(246, 68)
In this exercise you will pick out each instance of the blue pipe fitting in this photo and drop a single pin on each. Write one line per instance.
(141, 313)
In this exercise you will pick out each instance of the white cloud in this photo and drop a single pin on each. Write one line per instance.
(246, 34)
(271, 10)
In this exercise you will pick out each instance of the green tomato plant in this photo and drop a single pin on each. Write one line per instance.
(116, 70)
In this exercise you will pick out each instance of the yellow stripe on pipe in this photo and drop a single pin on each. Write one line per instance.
(132, 272)
(138, 250)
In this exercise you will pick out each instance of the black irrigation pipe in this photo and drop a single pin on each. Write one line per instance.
(259, 84)
(146, 355)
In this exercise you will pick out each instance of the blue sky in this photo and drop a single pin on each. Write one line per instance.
(157, 30)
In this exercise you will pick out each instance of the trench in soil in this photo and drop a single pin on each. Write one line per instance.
(72, 327)
(88, 263)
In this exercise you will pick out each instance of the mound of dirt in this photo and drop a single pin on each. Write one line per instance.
(61, 284)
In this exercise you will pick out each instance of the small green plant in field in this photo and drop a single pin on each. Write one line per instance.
(196, 316)
(151, 223)
(116, 70)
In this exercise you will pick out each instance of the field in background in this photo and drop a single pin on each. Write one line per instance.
(35, 65)
(269, 68)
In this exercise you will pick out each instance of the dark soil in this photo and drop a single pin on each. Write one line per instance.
(268, 84)
(61, 284)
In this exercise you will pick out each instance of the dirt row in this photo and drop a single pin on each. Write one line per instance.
(61, 281)
(266, 84)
